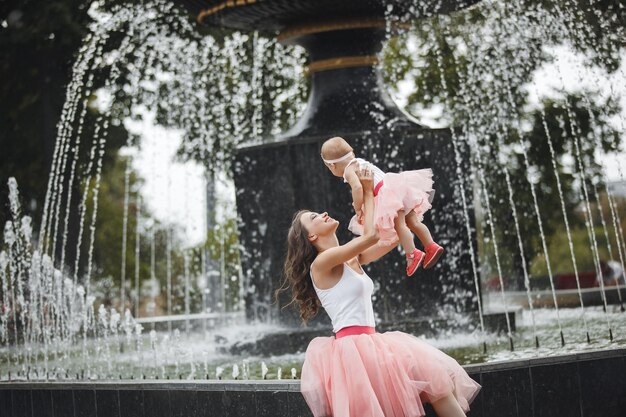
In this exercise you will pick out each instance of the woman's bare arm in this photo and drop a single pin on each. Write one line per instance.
(374, 253)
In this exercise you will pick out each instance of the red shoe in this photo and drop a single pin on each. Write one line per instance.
(433, 253)
(416, 257)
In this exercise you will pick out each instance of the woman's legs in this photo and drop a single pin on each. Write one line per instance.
(448, 407)
(417, 227)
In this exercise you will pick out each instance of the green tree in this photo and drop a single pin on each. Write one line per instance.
(38, 41)
(223, 247)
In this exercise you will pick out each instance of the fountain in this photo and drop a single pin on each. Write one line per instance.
(347, 98)
(64, 350)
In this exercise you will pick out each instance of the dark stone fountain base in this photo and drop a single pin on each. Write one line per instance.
(579, 385)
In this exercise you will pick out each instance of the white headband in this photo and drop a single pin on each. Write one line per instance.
(334, 161)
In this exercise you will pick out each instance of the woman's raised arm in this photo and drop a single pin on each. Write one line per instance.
(332, 257)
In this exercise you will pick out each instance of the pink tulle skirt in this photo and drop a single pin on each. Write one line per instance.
(407, 191)
(380, 375)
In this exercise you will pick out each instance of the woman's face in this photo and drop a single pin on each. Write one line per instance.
(318, 224)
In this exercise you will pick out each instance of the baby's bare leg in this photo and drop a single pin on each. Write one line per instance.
(417, 227)
(448, 407)
(404, 234)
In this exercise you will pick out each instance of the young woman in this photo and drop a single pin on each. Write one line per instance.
(358, 372)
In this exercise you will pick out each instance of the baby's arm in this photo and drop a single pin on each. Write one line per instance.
(357, 189)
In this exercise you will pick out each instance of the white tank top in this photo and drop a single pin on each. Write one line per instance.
(378, 173)
(349, 302)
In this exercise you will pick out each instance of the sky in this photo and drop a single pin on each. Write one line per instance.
(175, 192)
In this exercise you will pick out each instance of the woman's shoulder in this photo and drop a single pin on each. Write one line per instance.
(325, 278)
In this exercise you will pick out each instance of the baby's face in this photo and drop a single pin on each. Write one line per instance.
(335, 169)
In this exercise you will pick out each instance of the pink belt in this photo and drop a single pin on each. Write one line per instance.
(377, 188)
(354, 331)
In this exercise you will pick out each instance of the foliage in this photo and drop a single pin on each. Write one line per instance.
(223, 245)
(37, 43)
(558, 243)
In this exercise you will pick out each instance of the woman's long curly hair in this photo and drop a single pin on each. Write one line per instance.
(300, 255)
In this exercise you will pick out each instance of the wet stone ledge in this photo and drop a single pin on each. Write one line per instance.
(577, 385)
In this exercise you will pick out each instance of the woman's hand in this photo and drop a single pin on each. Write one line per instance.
(366, 176)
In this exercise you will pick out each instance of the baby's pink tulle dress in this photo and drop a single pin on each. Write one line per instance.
(380, 375)
(407, 191)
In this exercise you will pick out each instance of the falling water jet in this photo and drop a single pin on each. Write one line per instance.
(168, 260)
(500, 140)
(619, 237)
(101, 140)
(137, 250)
(575, 134)
(187, 295)
(42, 246)
(124, 233)
(461, 185)
(203, 273)
(568, 23)
(491, 223)
(153, 278)
(522, 144)
(91, 48)
(567, 229)
(484, 191)
(621, 247)
(507, 87)
(597, 141)
(608, 240)
(256, 85)
(75, 151)
(95, 159)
